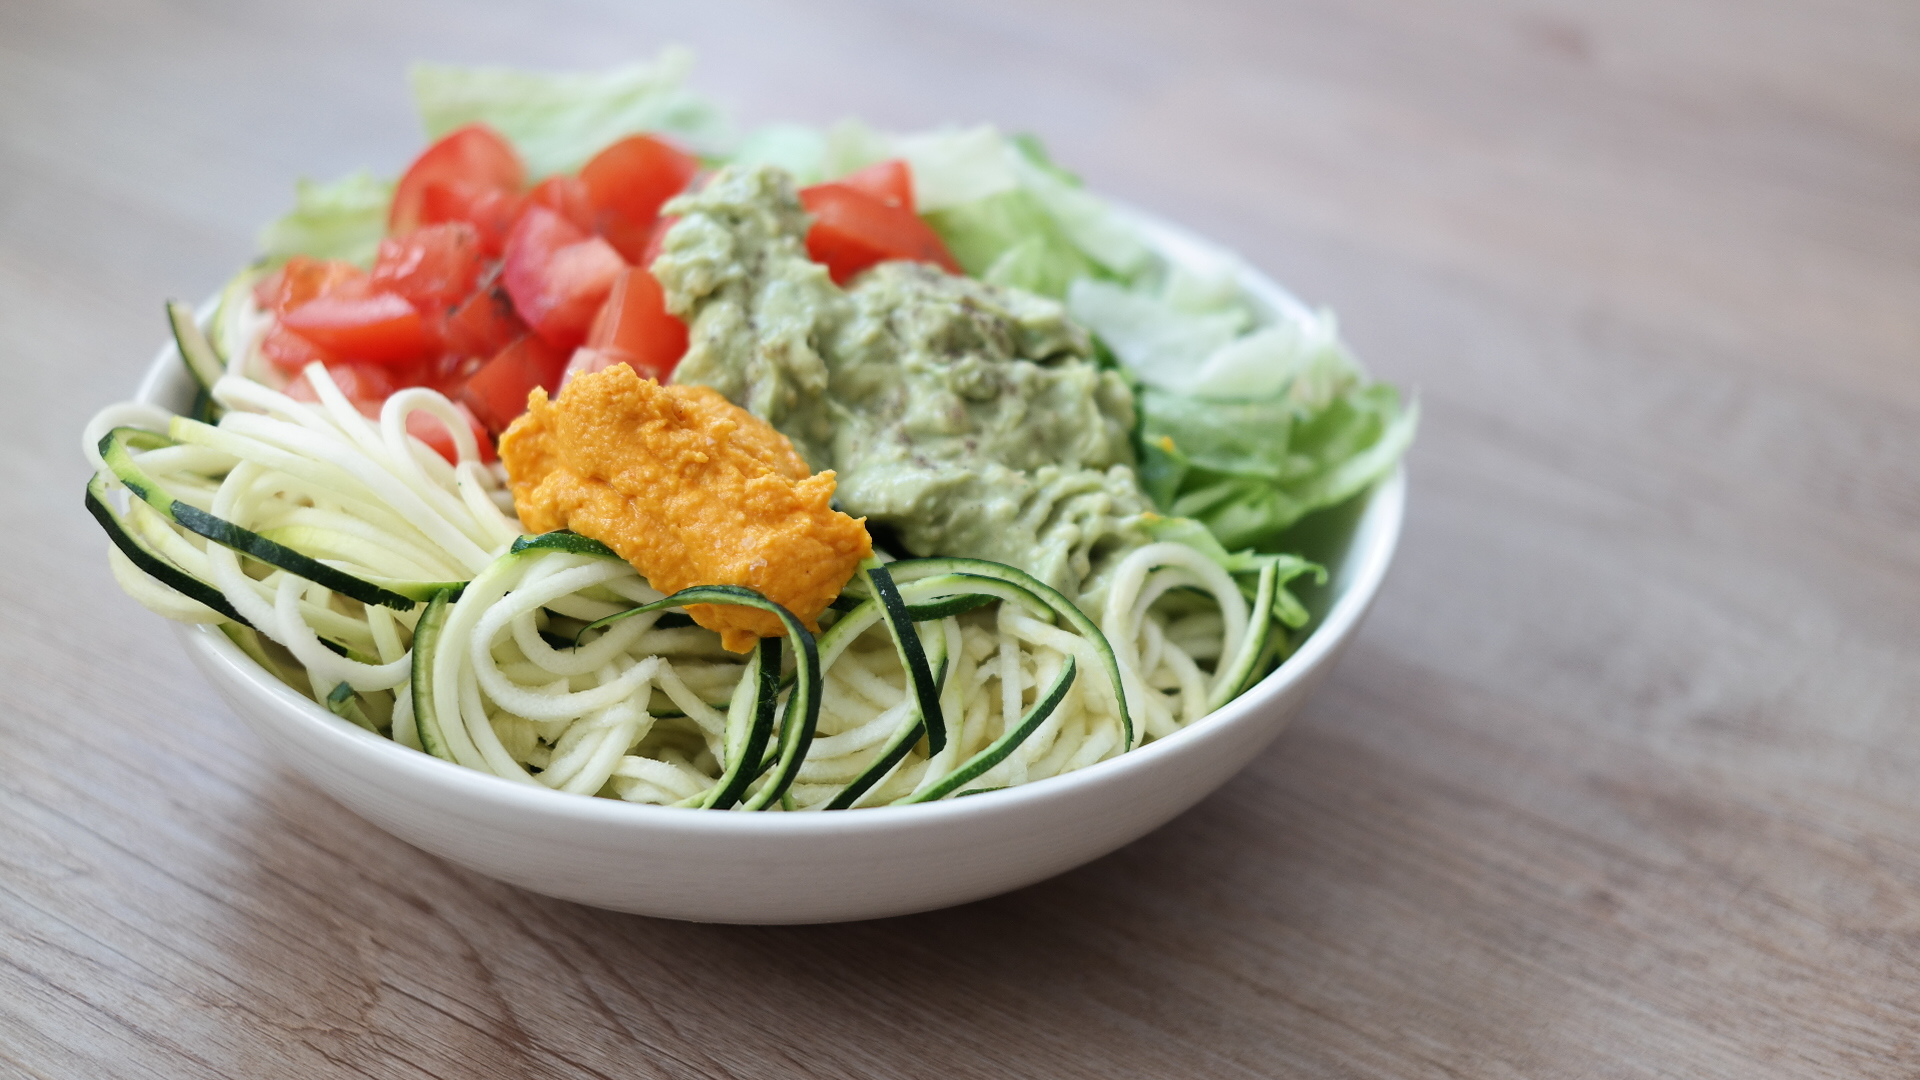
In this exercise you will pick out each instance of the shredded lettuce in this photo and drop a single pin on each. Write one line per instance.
(1085, 219)
(851, 146)
(1035, 151)
(1008, 238)
(1215, 350)
(1248, 470)
(1010, 216)
(558, 121)
(814, 156)
(955, 167)
(341, 220)
(800, 150)
(1163, 346)
(1249, 420)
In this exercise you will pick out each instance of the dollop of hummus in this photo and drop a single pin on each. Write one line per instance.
(690, 489)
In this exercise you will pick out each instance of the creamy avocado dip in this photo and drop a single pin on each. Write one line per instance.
(969, 418)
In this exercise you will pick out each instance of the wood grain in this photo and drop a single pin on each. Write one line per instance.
(1618, 780)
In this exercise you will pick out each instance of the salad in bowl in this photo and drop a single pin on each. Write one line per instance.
(613, 453)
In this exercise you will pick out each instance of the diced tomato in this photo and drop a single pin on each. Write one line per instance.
(483, 324)
(433, 267)
(586, 361)
(656, 241)
(431, 430)
(288, 352)
(558, 276)
(889, 181)
(497, 393)
(626, 184)
(635, 329)
(330, 312)
(466, 163)
(566, 196)
(491, 211)
(368, 383)
(450, 373)
(380, 327)
(852, 231)
(303, 278)
(433, 372)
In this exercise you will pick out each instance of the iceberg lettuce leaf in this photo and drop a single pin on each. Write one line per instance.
(1085, 219)
(558, 121)
(1302, 359)
(1162, 346)
(1011, 217)
(1035, 151)
(1246, 424)
(800, 150)
(341, 220)
(851, 146)
(953, 167)
(1252, 469)
(1009, 239)
(1038, 266)
(1188, 335)
(1237, 438)
(811, 155)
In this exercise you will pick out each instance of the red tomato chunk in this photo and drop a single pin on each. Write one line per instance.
(434, 267)
(635, 329)
(380, 327)
(466, 165)
(289, 353)
(853, 230)
(566, 196)
(497, 393)
(889, 181)
(303, 278)
(558, 276)
(626, 185)
(483, 324)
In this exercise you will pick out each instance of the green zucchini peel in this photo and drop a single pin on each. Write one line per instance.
(908, 570)
(150, 562)
(913, 655)
(426, 645)
(802, 715)
(563, 540)
(1005, 744)
(117, 447)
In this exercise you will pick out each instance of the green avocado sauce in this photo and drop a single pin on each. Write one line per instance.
(969, 418)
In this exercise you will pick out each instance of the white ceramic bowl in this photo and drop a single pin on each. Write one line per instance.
(798, 868)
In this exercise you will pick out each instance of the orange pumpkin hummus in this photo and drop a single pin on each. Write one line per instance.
(689, 488)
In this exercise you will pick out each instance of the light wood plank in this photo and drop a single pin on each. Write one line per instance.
(1616, 782)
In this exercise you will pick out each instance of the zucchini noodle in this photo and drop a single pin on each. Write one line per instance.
(356, 564)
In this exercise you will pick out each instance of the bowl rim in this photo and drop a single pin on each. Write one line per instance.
(1365, 569)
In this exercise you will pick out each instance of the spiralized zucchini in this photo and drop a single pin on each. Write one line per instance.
(353, 562)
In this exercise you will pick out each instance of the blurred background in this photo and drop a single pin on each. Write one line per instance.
(1616, 781)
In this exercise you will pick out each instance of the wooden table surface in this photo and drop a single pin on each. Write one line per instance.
(1618, 780)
